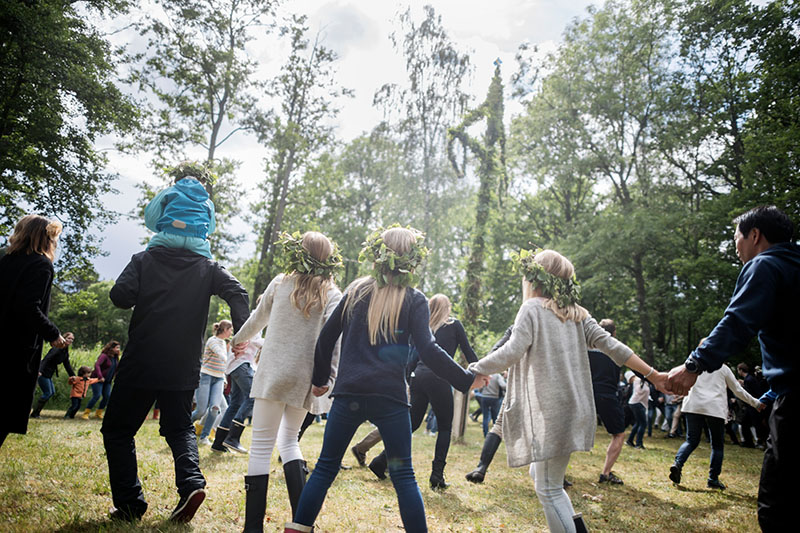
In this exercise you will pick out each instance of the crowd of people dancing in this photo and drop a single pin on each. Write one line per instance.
(381, 352)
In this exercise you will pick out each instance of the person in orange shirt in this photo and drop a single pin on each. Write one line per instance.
(79, 384)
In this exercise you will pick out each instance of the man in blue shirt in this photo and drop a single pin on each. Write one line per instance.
(764, 303)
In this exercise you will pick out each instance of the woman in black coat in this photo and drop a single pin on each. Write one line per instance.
(26, 276)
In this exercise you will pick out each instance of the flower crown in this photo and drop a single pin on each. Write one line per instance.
(564, 292)
(299, 260)
(389, 268)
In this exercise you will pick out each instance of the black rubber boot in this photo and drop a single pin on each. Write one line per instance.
(580, 525)
(232, 441)
(38, 409)
(378, 465)
(294, 472)
(437, 475)
(219, 438)
(490, 445)
(255, 488)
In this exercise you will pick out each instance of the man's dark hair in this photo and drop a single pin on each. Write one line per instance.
(608, 325)
(773, 223)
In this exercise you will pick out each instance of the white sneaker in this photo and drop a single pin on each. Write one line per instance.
(204, 442)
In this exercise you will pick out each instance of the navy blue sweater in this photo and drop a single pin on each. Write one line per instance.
(764, 303)
(380, 370)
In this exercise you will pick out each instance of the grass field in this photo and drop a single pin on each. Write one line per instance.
(55, 479)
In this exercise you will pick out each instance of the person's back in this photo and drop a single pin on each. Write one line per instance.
(775, 274)
(170, 289)
(605, 374)
(380, 369)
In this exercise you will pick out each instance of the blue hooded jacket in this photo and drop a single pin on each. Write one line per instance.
(183, 209)
(764, 303)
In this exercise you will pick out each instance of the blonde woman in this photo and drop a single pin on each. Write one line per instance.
(26, 276)
(293, 308)
(549, 409)
(428, 388)
(377, 319)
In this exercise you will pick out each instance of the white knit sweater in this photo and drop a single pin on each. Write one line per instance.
(287, 357)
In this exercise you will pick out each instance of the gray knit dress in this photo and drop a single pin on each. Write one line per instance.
(549, 406)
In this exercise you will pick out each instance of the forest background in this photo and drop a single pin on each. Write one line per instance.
(636, 141)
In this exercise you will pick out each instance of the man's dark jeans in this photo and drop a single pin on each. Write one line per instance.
(779, 474)
(127, 410)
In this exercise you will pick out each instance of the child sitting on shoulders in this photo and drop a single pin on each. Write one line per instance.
(79, 383)
(182, 216)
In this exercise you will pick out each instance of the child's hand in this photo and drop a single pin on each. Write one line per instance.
(239, 348)
(480, 380)
(318, 391)
(102, 380)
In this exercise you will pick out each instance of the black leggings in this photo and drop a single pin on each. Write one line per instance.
(426, 388)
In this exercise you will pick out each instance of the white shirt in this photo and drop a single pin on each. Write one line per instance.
(708, 396)
(641, 392)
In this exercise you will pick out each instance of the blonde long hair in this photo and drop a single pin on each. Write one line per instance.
(559, 266)
(440, 308)
(312, 291)
(35, 234)
(385, 302)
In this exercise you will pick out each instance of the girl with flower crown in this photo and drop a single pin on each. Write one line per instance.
(294, 306)
(377, 319)
(549, 408)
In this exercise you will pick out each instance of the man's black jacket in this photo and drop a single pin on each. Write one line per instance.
(170, 289)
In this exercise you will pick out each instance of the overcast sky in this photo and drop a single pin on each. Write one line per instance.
(358, 31)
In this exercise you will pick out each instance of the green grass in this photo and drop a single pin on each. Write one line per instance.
(55, 479)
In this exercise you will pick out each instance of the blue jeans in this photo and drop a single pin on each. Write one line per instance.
(669, 411)
(100, 389)
(639, 425)
(394, 423)
(241, 405)
(694, 429)
(490, 407)
(208, 398)
(48, 390)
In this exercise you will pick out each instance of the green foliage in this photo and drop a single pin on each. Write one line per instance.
(389, 267)
(565, 292)
(295, 133)
(298, 259)
(203, 86)
(490, 153)
(90, 315)
(58, 97)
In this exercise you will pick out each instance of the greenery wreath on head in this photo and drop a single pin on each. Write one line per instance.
(191, 169)
(389, 268)
(564, 292)
(299, 260)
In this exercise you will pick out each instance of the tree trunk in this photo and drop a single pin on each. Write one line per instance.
(644, 314)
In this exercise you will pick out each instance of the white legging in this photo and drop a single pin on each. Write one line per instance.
(274, 424)
(548, 480)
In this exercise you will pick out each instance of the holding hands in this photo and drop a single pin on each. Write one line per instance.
(238, 349)
(60, 342)
(680, 380)
(318, 391)
(480, 380)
